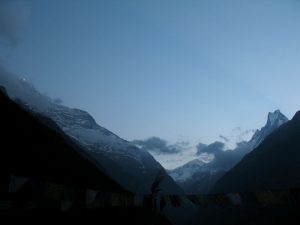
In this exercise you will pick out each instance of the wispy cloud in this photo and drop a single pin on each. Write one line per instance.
(168, 155)
(237, 135)
(226, 139)
(223, 158)
(213, 148)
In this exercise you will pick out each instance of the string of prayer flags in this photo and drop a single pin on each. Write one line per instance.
(91, 201)
(64, 198)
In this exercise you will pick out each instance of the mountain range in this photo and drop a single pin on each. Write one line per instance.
(199, 177)
(47, 140)
(274, 164)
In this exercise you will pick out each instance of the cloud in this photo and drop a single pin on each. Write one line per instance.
(200, 147)
(237, 135)
(223, 159)
(224, 138)
(159, 146)
(13, 16)
(213, 148)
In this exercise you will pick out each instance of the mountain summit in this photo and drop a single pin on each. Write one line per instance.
(275, 120)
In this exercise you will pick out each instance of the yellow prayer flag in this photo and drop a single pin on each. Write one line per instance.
(53, 191)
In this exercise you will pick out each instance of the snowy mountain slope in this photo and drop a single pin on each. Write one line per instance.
(188, 170)
(133, 168)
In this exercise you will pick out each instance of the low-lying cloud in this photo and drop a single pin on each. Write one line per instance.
(224, 159)
(158, 145)
(170, 156)
(213, 148)
(226, 139)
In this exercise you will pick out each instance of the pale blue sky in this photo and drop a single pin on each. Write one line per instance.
(188, 70)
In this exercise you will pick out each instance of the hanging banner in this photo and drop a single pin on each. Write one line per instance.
(66, 205)
(90, 199)
(167, 199)
(220, 200)
(283, 197)
(202, 200)
(116, 199)
(295, 193)
(30, 206)
(265, 198)
(235, 198)
(68, 198)
(53, 191)
(16, 183)
(129, 200)
(138, 200)
(5, 205)
(103, 198)
(193, 199)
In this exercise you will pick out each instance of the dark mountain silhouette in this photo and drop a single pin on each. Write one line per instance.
(133, 168)
(34, 147)
(274, 164)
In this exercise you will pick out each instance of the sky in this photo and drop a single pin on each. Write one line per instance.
(184, 71)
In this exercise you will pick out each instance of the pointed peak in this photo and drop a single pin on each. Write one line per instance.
(276, 117)
(275, 113)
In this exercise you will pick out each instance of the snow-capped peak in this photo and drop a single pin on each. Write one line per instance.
(276, 118)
